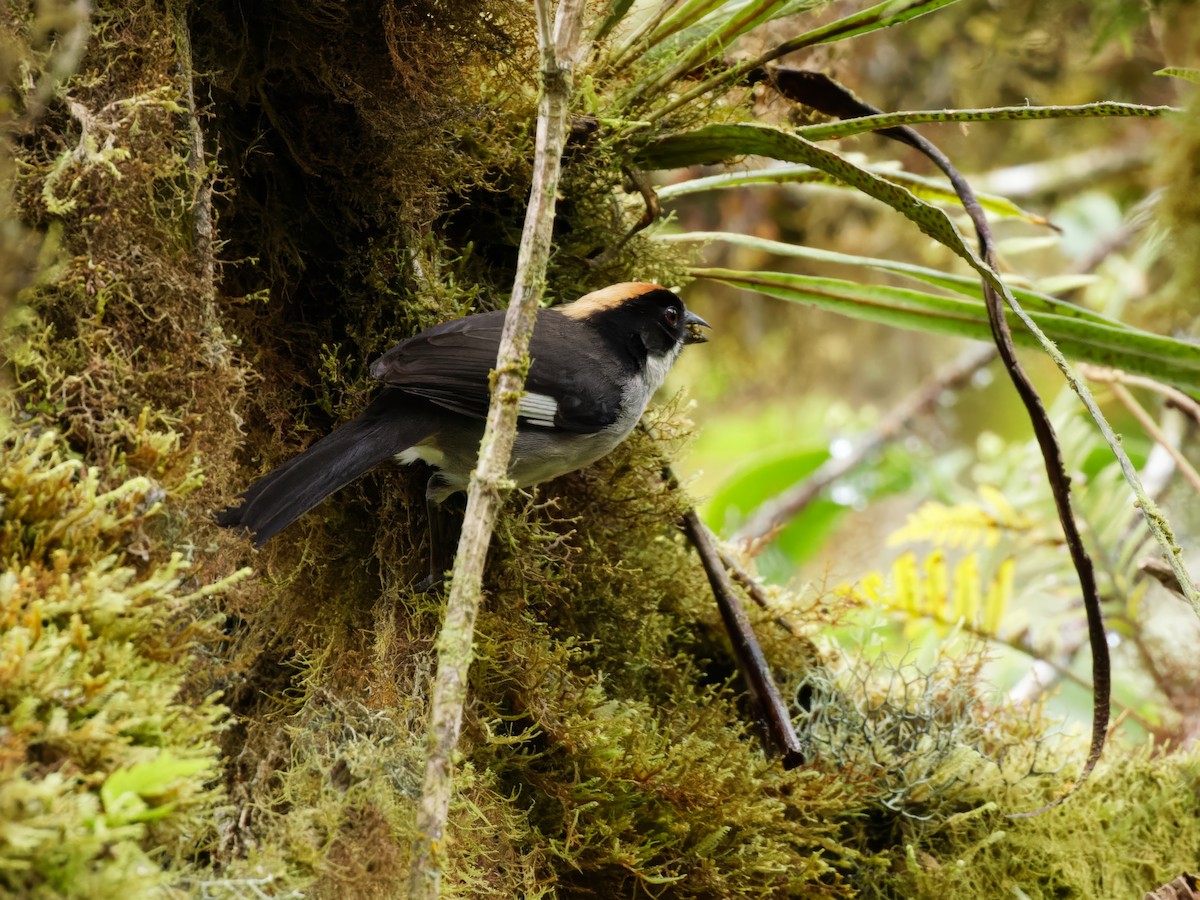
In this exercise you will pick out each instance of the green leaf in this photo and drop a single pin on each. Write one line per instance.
(687, 15)
(926, 188)
(1165, 359)
(882, 15)
(1103, 109)
(960, 284)
(126, 792)
(1192, 75)
(874, 18)
(706, 42)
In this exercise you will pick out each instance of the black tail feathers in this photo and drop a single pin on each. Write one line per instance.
(387, 427)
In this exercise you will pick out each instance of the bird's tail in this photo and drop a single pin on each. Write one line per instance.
(391, 424)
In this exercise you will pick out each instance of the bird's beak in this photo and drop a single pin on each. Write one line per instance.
(692, 324)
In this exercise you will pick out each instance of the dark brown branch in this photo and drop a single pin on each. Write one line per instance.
(769, 708)
(754, 590)
(827, 96)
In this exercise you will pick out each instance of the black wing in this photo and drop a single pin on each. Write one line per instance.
(447, 364)
(568, 374)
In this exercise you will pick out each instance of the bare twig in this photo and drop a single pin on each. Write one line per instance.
(1046, 671)
(778, 511)
(558, 45)
(1186, 469)
(1173, 395)
(765, 699)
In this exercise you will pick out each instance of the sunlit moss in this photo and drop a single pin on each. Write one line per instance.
(107, 770)
(1134, 825)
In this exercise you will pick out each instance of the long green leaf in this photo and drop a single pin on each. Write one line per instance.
(685, 16)
(960, 284)
(874, 18)
(707, 144)
(920, 186)
(715, 34)
(720, 143)
(633, 44)
(1105, 109)
(1157, 357)
(1192, 75)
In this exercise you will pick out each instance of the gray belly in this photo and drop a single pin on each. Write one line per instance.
(536, 456)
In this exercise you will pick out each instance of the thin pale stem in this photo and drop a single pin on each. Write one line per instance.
(1106, 375)
(489, 481)
(1186, 469)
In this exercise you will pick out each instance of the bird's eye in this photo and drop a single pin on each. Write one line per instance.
(672, 316)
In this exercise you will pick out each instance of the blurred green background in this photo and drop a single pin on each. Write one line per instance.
(781, 388)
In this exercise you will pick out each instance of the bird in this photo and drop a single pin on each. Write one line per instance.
(594, 365)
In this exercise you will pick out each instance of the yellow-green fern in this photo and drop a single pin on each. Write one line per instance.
(966, 525)
(932, 589)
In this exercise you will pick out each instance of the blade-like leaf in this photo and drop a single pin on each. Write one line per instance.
(1158, 357)
(1105, 109)
(708, 42)
(1192, 75)
(685, 16)
(874, 18)
(920, 186)
(960, 284)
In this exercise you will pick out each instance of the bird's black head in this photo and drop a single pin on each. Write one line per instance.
(647, 315)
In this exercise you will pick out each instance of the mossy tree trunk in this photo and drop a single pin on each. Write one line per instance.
(237, 206)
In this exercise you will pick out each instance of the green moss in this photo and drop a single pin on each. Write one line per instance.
(1133, 826)
(370, 167)
(107, 768)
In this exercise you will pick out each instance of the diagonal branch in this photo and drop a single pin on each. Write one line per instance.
(826, 95)
(489, 481)
(769, 709)
(777, 512)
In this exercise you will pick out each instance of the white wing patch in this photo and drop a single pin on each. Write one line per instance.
(538, 409)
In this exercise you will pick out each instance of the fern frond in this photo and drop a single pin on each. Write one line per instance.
(999, 592)
(967, 596)
(966, 525)
(929, 590)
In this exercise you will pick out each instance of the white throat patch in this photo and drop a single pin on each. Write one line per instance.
(639, 390)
